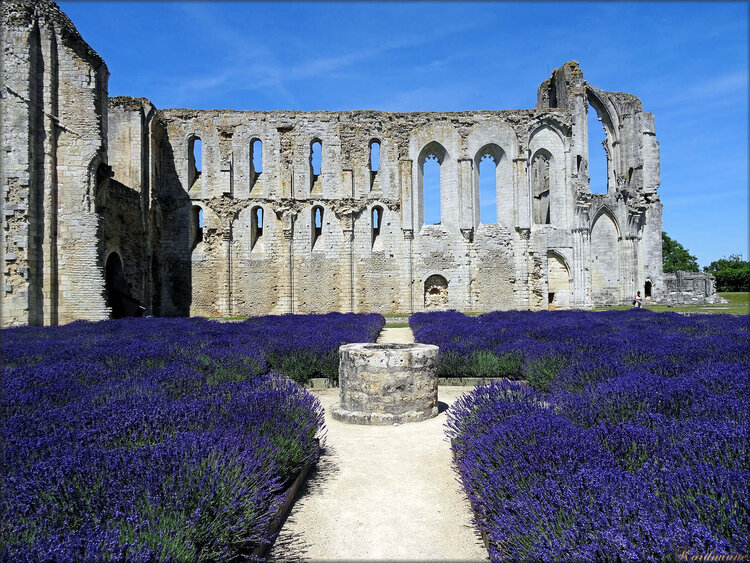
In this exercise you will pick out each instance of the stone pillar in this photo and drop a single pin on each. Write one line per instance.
(521, 254)
(224, 301)
(468, 215)
(581, 274)
(347, 271)
(287, 286)
(409, 237)
(407, 195)
(50, 282)
(521, 202)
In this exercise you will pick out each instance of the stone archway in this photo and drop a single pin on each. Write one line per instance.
(558, 281)
(436, 292)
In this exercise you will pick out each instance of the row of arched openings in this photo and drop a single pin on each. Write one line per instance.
(486, 164)
(195, 161)
(256, 225)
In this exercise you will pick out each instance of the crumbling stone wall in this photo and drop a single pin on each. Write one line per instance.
(54, 129)
(250, 226)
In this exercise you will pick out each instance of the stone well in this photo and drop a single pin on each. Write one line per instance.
(387, 383)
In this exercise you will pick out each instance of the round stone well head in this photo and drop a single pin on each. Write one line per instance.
(387, 383)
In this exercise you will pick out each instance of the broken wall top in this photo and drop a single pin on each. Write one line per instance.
(25, 13)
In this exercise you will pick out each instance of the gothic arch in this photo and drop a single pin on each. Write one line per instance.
(546, 143)
(558, 280)
(502, 176)
(541, 166)
(603, 106)
(608, 116)
(438, 151)
(605, 259)
(543, 124)
(605, 210)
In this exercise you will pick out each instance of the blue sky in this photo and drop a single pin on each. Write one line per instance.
(688, 62)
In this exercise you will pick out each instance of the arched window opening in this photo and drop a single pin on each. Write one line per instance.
(317, 224)
(540, 169)
(256, 228)
(316, 164)
(374, 155)
(377, 221)
(198, 154)
(598, 160)
(256, 156)
(256, 162)
(431, 183)
(196, 225)
(647, 290)
(195, 160)
(488, 189)
(374, 160)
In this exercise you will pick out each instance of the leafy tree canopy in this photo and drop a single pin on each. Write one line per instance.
(732, 273)
(676, 257)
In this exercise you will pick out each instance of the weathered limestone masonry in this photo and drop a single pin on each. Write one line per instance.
(54, 139)
(109, 208)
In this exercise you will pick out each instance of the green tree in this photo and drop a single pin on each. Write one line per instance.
(676, 257)
(732, 273)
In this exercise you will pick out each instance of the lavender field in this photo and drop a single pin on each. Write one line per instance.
(158, 438)
(630, 441)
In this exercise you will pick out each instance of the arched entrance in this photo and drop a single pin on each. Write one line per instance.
(558, 281)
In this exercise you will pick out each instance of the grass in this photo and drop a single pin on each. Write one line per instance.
(739, 304)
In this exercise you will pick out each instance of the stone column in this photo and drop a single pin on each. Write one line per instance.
(409, 237)
(581, 274)
(224, 301)
(287, 291)
(521, 201)
(467, 214)
(50, 281)
(407, 195)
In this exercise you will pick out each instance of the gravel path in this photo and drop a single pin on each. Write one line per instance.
(402, 335)
(382, 493)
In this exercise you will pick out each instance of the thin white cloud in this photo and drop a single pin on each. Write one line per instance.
(711, 88)
(249, 68)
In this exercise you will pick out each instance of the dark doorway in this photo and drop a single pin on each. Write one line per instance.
(647, 289)
(118, 298)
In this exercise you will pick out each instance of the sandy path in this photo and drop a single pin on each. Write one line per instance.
(382, 493)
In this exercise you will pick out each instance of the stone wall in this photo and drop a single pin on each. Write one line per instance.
(54, 129)
(248, 225)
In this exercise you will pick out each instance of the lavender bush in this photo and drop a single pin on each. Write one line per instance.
(631, 443)
(168, 439)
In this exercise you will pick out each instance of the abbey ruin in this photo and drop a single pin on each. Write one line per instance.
(107, 210)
